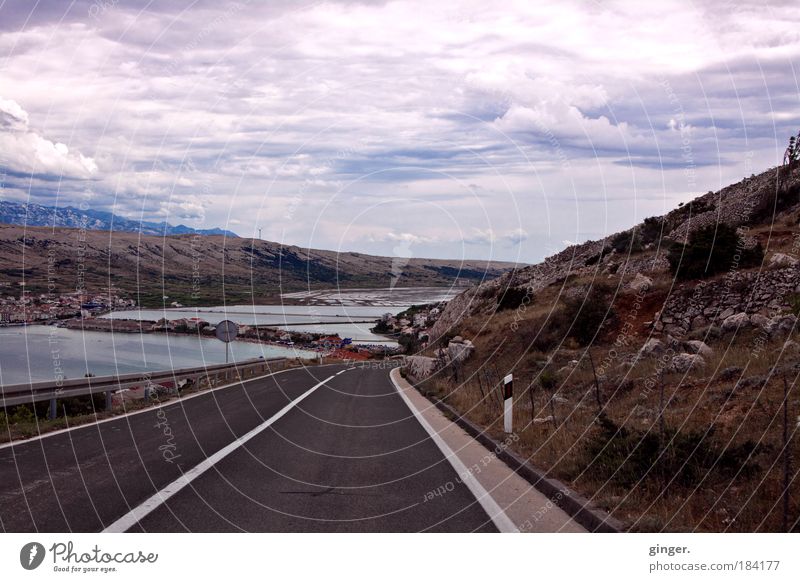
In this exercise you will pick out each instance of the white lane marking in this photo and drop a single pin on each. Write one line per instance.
(490, 506)
(149, 408)
(131, 518)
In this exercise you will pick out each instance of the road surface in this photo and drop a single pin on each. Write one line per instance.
(328, 449)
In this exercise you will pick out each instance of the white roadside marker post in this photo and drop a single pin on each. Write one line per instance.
(508, 399)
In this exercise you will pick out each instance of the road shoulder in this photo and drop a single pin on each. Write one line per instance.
(527, 509)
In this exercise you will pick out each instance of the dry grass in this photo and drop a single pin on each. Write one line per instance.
(714, 464)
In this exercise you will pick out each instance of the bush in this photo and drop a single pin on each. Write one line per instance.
(794, 303)
(21, 415)
(627, 456)
(711, 250)
(627, 242)
(651, 230)
(548, 381)
(512, 298)
(584, 316)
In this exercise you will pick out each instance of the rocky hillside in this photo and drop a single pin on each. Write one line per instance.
(655, 371)
(763, 207)
(197, 270)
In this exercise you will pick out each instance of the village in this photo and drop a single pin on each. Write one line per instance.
(47, 307)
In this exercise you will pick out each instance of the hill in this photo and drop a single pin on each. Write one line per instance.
(651, 368)
(37, 215)
(203, 270)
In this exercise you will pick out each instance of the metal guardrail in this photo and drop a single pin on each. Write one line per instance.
(16, 394)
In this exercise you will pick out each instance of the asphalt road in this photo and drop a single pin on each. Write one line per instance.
(349, 457)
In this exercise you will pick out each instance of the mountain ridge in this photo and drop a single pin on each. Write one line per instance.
(31, 214)
(207, 270)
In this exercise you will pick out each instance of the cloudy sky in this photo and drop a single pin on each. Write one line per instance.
(443, 129)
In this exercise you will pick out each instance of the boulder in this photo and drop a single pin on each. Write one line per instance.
(699, 347)
(460, 351)
(640, 283)
(730, 373)
(782, 260)
(683, 362)
(699, 322)
(759, 320)
(734, 322)
(791, 346)
(781, 325)
(652, 346)
(420, 367)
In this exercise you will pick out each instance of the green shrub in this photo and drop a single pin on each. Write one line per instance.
(548, 380)
(22, 415)
(711, 250)
(627, 242)
(651, 230)
(583, 316)
(626, 457)
(512, 298)
(794, 303)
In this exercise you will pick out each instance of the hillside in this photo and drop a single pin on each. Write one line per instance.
(202, 270)
(650, 367)
(69, 217)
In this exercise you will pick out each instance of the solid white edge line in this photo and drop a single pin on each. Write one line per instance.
(501, 521)
(171, 402)
(135, 515)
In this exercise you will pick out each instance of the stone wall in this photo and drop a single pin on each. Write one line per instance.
(696, 306)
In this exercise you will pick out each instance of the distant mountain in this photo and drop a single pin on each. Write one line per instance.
(37, 215)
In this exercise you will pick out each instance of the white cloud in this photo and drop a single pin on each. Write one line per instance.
(319, 112)
(26, 152)
(516, 236)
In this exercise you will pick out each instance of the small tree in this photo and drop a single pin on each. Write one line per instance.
(711, 250)
(792, 153)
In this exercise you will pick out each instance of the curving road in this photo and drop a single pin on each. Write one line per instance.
(326, 449)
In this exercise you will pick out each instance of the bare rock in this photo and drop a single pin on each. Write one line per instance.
(460, 351)
(699, 347)
(684, 362)
(759, 320)
(652, 346)
(782, 325)
(734, 322)
(730, 373)
(420, 367)
(782, 260)
(640, 283)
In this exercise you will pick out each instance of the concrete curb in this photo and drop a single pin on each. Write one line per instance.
(576, 506)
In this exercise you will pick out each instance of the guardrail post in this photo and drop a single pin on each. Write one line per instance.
(52, 411)
(109, 401)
